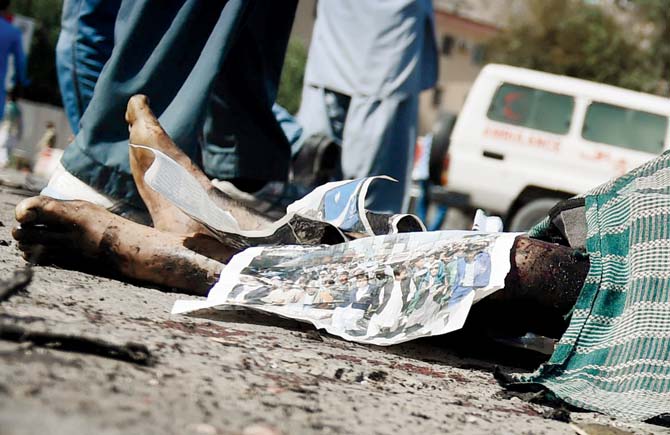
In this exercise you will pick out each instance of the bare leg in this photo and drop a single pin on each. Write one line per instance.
(146, 130)
(541, 288)
(80, 234)
(547, 275)
(178, 253)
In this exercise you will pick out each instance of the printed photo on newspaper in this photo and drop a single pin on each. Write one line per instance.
(381, 290)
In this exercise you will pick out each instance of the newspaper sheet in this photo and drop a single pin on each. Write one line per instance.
(322, 216)
(384, 287)
(381, 290)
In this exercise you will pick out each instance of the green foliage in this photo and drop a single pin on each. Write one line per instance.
(42, 60)
(657, 14)
(578, 39)
(290, 85)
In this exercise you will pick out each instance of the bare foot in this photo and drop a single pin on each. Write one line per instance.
(83, 235)
(146, 130)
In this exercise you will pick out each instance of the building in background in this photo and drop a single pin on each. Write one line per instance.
(463, 28)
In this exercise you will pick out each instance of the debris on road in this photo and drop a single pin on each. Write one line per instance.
(136, 353)
(17, 282)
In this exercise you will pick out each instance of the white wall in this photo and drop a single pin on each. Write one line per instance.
(35, 118)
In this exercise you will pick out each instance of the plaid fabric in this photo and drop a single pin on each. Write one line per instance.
(540, 228)
(615, 355)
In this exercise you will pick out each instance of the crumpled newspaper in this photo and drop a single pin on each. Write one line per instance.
(374, 283)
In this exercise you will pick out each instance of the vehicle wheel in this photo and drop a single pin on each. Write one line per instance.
(531, 213)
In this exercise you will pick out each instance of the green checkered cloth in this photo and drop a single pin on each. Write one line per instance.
(615, 355)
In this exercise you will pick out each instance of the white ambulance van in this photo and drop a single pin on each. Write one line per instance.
(526, 139)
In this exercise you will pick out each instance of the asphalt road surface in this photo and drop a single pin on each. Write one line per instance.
(240, 374)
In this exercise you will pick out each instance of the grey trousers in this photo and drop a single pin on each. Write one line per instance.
(377, 137)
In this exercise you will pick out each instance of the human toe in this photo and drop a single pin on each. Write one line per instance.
(26, 210)
(41, 235)
(138, 105)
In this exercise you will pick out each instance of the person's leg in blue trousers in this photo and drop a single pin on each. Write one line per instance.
(378, 139)
(423, 200)
(291, 128)
(84, 45)
(438, 219)
(177, 52)
(240, 108)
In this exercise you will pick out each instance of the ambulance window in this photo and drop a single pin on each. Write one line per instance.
(532, 108)
(628, 128)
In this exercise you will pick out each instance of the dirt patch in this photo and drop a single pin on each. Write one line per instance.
(203, 330)
(415, 369)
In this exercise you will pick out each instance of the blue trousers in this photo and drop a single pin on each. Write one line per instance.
(422, 205)
(84, 45)
(211, 71)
